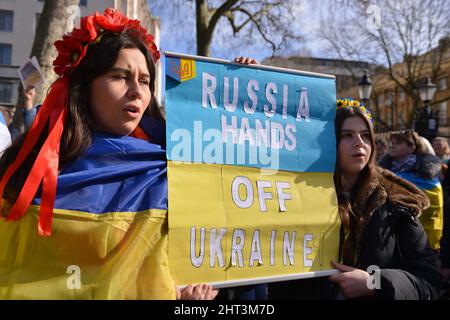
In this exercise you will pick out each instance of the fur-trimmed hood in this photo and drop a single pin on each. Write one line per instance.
(384, 188)
(388, 186)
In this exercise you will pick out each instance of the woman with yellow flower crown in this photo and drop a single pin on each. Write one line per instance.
(385, 253)
(384, 250)
(83, 193)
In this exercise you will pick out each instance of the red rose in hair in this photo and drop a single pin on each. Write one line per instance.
(72, 48)
(112, 20)
(152, 47)
(88, 28)
(70, 53)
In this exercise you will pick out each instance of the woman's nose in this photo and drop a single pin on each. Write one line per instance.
(358, 140)
(135, 90)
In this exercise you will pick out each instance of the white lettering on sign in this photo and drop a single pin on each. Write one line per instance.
(264, 193)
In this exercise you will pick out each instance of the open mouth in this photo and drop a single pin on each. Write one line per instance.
(131, 111)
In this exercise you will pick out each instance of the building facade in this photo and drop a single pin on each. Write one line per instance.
(394, 108)
(346, 71)
(18, 23)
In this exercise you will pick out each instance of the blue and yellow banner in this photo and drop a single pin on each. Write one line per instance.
(251, 153)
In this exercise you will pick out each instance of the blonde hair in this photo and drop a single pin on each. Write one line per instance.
(426, 146)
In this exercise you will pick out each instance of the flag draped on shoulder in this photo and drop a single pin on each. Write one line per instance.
(431, 218)
(109, 238)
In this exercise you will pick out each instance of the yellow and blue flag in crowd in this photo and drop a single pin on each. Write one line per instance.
(109, 231)
(431, 218)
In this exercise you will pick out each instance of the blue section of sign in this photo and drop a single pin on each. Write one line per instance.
(173, 68)
(237, 115)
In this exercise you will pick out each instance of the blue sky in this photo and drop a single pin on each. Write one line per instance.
(180, 36)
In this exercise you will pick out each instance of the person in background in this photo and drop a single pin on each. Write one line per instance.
(408, 160)
(29, 111)
(441, 148)
(426, 146)
(382, 147)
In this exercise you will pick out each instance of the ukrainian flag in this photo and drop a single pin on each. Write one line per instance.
(431, 218)
(109, 233)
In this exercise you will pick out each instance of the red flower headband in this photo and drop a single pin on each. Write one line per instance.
(71, 50)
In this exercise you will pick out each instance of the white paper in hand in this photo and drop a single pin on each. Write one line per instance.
(30, 73)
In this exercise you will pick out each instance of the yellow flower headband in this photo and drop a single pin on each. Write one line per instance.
(350, 103)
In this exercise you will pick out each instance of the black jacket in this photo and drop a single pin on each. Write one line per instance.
(445, 240)
(393, 240)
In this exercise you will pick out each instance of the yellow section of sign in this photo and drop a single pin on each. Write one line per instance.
(231, 222)
(187, 69)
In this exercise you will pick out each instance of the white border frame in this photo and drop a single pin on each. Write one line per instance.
(170, 54)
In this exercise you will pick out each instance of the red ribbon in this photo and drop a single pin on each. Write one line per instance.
(45, 167)
(140, 134)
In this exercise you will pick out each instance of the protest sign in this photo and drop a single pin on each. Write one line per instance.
(30, 73)
(251, 154)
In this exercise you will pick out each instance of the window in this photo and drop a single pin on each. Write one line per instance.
(6, 89)
(389, 118)
(389, 99)
(5, 53)
(83, 2)
(380, 99)
(442, 84)
(442, 113)
(6, 20)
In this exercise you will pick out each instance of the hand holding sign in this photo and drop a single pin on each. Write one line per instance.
(29, 94)
(197, 292)
(352, 281)
(245, 60)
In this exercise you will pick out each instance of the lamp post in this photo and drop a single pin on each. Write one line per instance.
(427, 92)
(365, 88)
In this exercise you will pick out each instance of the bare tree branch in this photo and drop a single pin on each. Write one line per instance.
(406, 43)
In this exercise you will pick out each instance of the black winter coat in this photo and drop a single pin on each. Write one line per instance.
(445, 240)
(393, 240)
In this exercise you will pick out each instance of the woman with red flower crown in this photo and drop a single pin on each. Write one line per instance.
(83, 193)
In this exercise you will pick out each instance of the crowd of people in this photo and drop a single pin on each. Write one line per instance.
(101, 118)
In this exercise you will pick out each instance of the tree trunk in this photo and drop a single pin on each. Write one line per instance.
(53, 23)
(204, 35)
